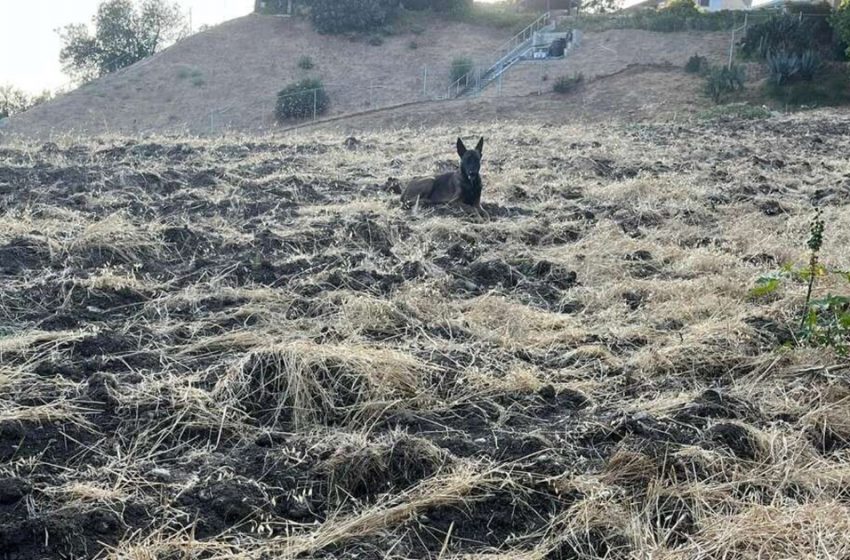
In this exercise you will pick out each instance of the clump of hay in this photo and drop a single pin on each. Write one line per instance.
(516, 326)
(303, 383)
(809, 531)
(362, 469)
(369, 315)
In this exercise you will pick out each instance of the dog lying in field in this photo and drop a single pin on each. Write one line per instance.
(462, 186)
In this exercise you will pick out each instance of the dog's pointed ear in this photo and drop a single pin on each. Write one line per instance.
(461, 149)
(480, 146)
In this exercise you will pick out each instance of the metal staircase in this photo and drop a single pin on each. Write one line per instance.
(511, 52)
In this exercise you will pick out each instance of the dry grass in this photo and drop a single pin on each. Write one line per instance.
(240, 82)
(308, 383)
(254, 352)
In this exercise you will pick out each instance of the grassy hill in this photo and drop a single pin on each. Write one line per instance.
(228, 77)
(235, 70)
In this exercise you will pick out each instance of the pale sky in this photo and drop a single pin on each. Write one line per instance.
(29, 45)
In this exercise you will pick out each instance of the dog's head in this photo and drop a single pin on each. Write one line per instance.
(470, 160)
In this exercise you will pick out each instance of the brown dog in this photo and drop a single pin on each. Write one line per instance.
(462, 186)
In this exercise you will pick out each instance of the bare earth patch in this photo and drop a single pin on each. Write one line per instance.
(248, 349)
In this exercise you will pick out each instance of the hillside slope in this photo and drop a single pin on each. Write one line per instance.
(227, 78)
(230, 75)
(637, 93)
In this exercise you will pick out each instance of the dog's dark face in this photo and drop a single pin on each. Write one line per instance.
(470, 160)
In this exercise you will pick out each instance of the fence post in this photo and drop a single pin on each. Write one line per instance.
(425, 82)
(731, 48)
(315, 102)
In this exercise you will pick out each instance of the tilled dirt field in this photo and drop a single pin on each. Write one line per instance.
(249, 349)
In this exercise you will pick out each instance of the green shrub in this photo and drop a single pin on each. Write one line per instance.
(823, 35)
(376, 40)
(695, 64)
(795, 34)
(416, 5)
(831, 87)
(723, 80)
(783, 66)
(840, 22)
(496, 15)
(824, 322)
(783, 33)
(305, 63)
(680, 18)
(340, 16)
(189, 72)
(567, 84)
(450, 5)
(301, 100)
(461, 66)
(413, 45)
(681, 8)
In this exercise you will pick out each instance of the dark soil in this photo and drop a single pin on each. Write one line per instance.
(247, 247)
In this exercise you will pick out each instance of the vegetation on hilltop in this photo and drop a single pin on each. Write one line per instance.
(15, 100)
(125, 32)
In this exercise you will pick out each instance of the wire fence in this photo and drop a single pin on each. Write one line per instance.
(340, 99)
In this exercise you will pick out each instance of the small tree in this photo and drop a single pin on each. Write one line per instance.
(682, 8)
(125, 32)
(14, 100)
(302, 100)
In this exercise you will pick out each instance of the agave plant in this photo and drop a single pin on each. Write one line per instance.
(783, 66)
(735, 76)
(782, 33)
(809, 65)
(722, 80)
